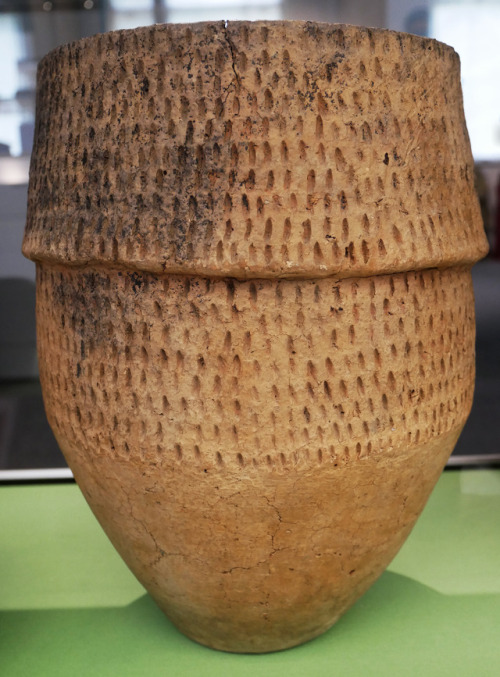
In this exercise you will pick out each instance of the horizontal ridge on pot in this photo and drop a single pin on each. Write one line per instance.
(254, 306)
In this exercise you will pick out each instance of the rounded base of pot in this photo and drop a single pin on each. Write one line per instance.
(265, 627)
(268, 640)
(256, 562)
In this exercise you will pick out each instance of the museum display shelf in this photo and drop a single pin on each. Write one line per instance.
(69, 605)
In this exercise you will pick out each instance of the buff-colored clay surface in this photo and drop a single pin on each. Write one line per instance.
(255, 310)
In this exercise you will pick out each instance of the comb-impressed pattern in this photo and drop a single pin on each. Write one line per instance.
(271, 150)
(216, 373)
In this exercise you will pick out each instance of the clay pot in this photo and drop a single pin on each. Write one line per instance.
(255, 310)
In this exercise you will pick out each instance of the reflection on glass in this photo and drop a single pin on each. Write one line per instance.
(473, 30)
(16, 103)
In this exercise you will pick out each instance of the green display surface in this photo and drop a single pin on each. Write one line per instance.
(69, 606)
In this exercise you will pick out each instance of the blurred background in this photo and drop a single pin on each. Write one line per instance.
(30, 28)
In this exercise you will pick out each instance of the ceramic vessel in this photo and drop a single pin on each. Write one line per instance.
(255, 310)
